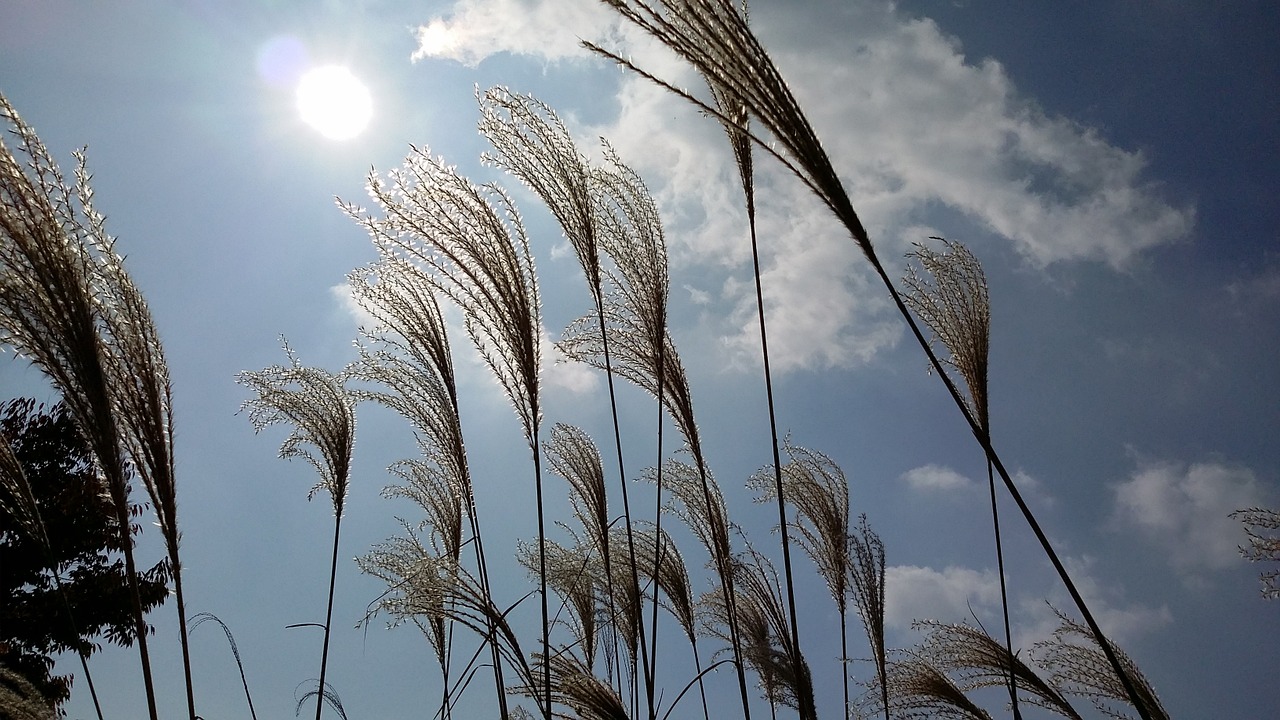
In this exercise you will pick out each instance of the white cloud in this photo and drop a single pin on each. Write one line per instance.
(919, 593)
(1184, 510)
(561, 372)
(477, 29)
(911, 125)
(931, 477)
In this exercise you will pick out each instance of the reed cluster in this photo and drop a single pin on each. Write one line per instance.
(67, 304)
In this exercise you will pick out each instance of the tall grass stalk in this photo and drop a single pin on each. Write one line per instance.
(474, 247)
(978, 661)
(713, 37)
(1077, 666)
(53, 257)
(736, 121)
(413, 363)
(635, 322)
(321, 411)
(952, 299)
(819, 490)
(920, 689)
(532, 143)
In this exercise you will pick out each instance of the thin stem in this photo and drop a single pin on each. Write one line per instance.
(140, 625)
(652, 669)
(748, 187)
(1004, 594)
(176, 566)
(542, 574)
(622, 479)
(328, 615)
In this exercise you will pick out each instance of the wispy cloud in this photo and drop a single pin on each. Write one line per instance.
(1183, 509)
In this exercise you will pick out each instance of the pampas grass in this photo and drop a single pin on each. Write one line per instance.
(1077, 666)
(321, 411)
(473, 245)
(951, 297)
(713, 37)
(67, 304)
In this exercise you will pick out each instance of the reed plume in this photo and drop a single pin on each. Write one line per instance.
(426, 585)
(921, 690)
(714, 38)
(657, 551)
(60, 308)
(977, 660)
(867, 571)
(818, 489)
(411, 359)
(573, 573)
(577, 688)
(760, 611)
(1077, 666)
(474, 249)
(951, 298)
(635, 322)
(1262, 547)
(321, 411)
(532, 143)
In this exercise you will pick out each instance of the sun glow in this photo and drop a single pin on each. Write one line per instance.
(334, 102)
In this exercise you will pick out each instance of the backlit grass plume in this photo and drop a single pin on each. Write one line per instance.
(68, 306)
(1263, 546)
(635, 323)
(573, 573)
(1077, 666)
(408, 356)
(713, 37)
(657, 551)
(321, 412)
(472, 244)
(532, 143)
(761, 611)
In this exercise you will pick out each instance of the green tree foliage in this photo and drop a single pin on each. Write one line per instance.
(84, 553)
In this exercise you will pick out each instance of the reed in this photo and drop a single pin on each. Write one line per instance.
(321, 410)
(473, 245)
(713, 37)
(63, 308)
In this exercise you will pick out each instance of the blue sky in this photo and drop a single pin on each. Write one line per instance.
(1114, 165)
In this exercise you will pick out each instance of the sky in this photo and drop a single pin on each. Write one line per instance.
(1113, 164)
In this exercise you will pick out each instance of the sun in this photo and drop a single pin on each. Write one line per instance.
(334, 102)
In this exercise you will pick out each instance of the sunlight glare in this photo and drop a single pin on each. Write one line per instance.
(334, 102)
